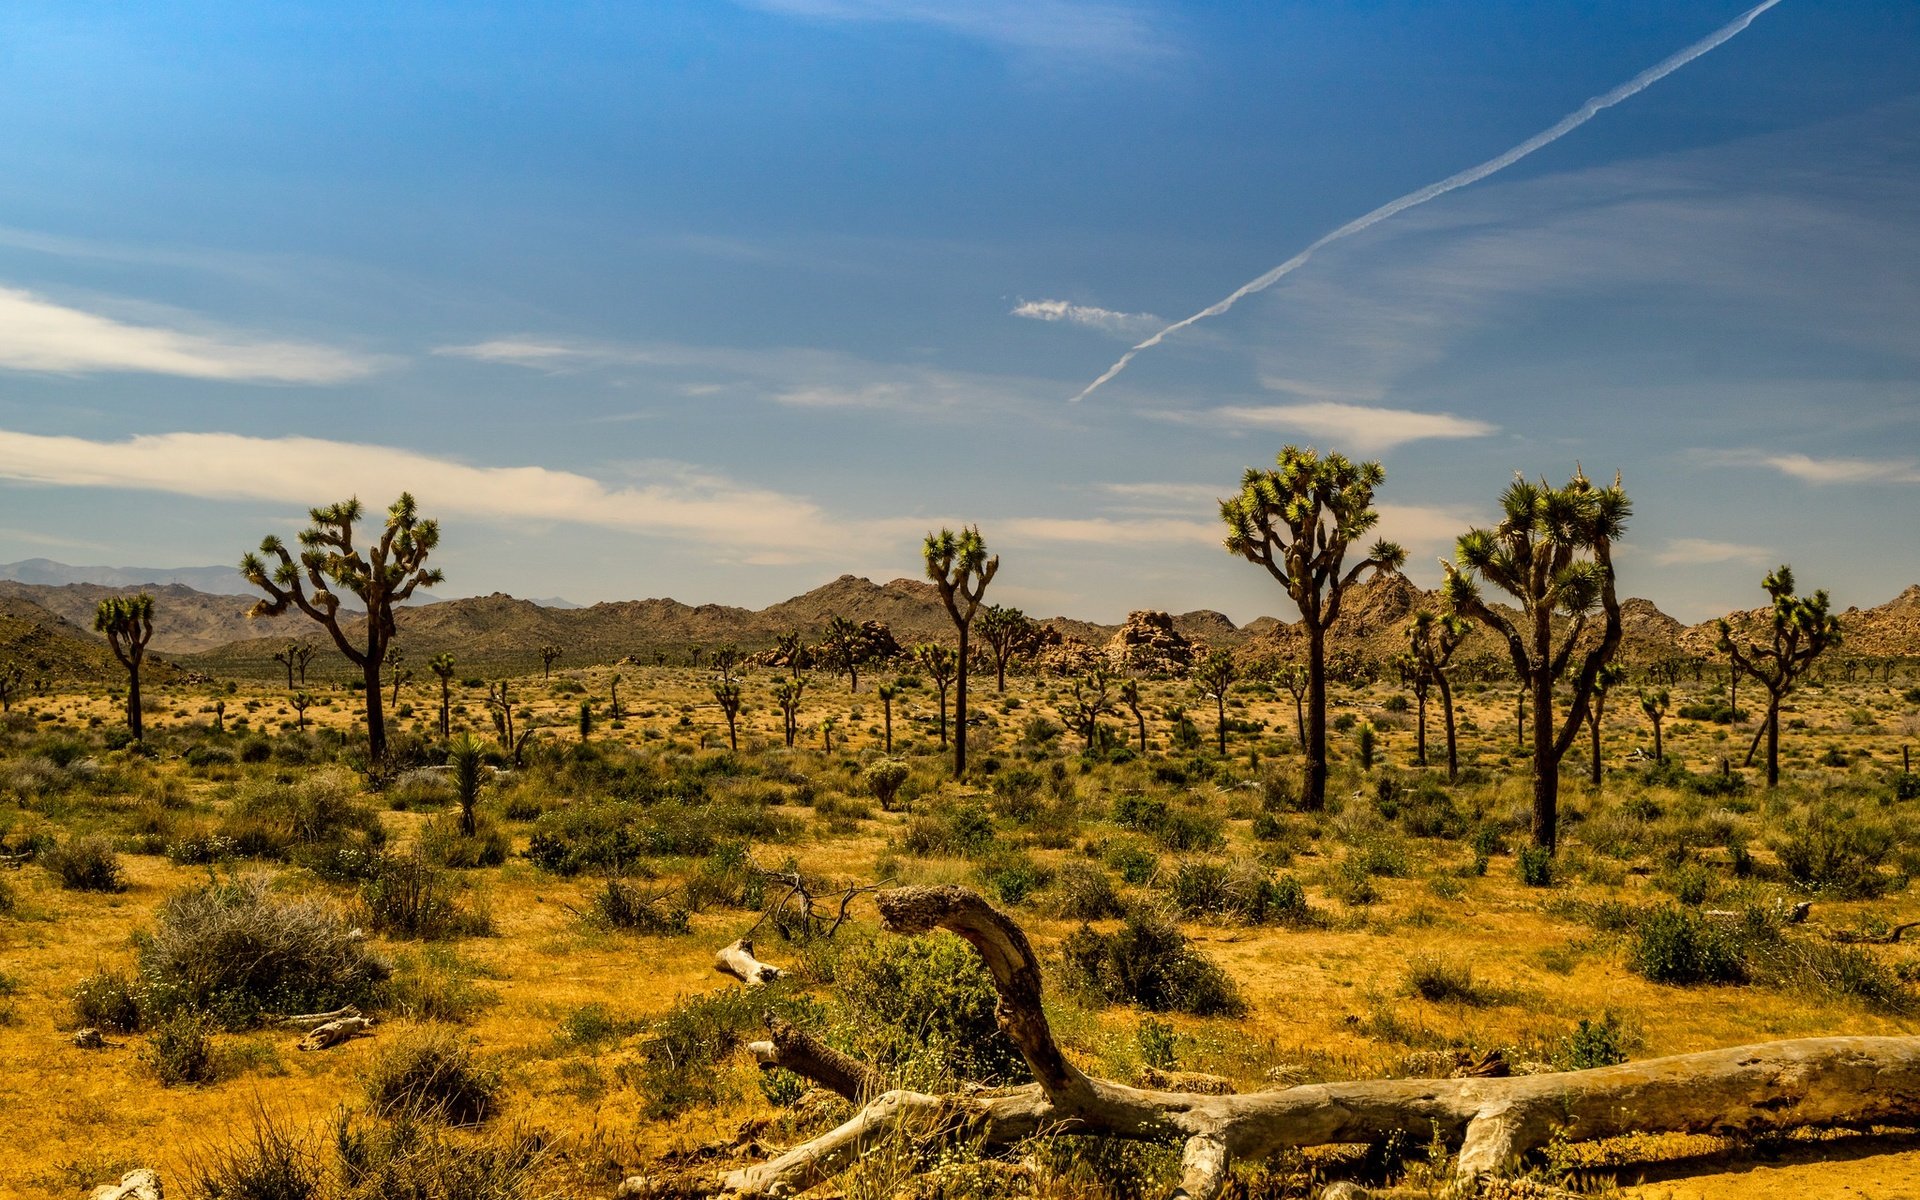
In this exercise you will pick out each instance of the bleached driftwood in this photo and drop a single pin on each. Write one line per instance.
(1805, 1082)
(796, 1050)
(143, 1184)
(309, 1020)
(737, 960)
(321, 1037)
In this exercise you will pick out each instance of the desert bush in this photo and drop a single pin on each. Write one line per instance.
(598, 837)
(106, 999)
(622, 904)
(726, 876)
(180, 1049)
(1083, 892)
(1674, 945)
(239, 950)
(1834, 972)
(432, 1071)
(1135, 863)
(288, 818)
(1599, 1043)
(924, 1007)
(1534, 866)
(680, 1062)
(403, 1155)
(406, 895)
(964, 829)
(1012, 876)
(272, 1162)
(1835, 854)
(1148, 962)
(85, 864)
(1444, 980)
(435, 986)
(1241, 891)
(884, 779)
(442, 842)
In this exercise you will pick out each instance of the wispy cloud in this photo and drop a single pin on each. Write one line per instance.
(1166, 497)
(795, 377)
(1106, 320)
(744, 522)
(1809, 469)
(1347, 427)
(1079, 29)
(1106, 531)
(1700, 551)
(37, 334)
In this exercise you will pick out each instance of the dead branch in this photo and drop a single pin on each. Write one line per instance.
(794, 1049)
(737, 960)
(143, 1184)
(309, 1020)
(1494, 1120)
(322, 1037)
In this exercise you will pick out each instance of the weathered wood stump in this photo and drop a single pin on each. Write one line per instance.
(737, 960)
(332, 1033)
(142, 1184)
(1845, 1081)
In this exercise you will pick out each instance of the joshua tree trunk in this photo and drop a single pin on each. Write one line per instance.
(1659, 751)
(1220, 721)
(943, 718)
(1546, 768)
(1313, 789)
(1593, 719)
(1446, 706)
(446, 706)
(1420, 727)
(960, 711)
(376, 715)
(134, 723)
(1140, 721)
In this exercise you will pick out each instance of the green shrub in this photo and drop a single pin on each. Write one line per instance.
(963, 829)
(1135, 863)
(85, 864)
(108, 1000)
(884, 779)
(239, 950)
(926, 1004)
(1835, 854)
(1675, 945)
(1444, 980)
(1242, 892)
(1592, 1044)
(288, 819)
(274, 1162)
(1012, 876)
(435, 986)
(432, 1072)
(403, 1155)
(180, 1049)
(1148, 962)
(442, 842)
(1534, 866)
(1083, 892)
(407, 896)
(621, 904)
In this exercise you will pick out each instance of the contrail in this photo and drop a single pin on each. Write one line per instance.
(1554, 133)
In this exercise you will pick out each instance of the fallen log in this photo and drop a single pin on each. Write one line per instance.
(796, 1050)
(1843, 1081)
(322, 1037)
(309, 1020)
(737, 960)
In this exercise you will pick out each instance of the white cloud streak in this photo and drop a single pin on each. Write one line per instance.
(1433, 191)
(673, 500)
(1044, 28)
(36, 334)
(1087, 316)
(1823, 471)
(1701, 551)
(1105, 531)
(1355, 427)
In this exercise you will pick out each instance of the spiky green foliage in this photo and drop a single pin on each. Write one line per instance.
(329, 563)
(128, 623)
(1008, 633)
(1803, 628)
(463, 755)
(1298, 521)
(1552, 552)
(549, 655)
(959, 566)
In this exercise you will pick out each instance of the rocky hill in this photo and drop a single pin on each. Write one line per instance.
(42, 645)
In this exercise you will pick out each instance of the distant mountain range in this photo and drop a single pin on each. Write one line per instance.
(210, 630)
(47, 573)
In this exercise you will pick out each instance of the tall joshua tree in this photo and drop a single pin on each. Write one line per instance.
(787, 694)
(1802, 630)
(385, 575)
(442, 665)
(1215, 677)
(726, 693)
(842, 646)
(1431, 640)
(1130, 696)
(1090, 702)
(1654, 704)
(1553, 553)
(888, 693)
(1007, 632)
(1298, 521)
(128, 623)
(549, 655)
(958, 565)
(1602, 685)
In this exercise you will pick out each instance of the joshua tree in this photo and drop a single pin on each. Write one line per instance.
(613, 700)
(725, 659)
(1090, 703)
(1654, 704)
(958, 565)
(1603, 682)
(463, 755)
(586, 721)
(1007, 632)
(826, 735)
(1803, 629)
(787, 694)
(220, 716)
(841, 648)
(1298, 522)
(442, 665)
(286, 659)
(791, 646)
(399, 673)
(887, 692)
(303, 652)
(549, 655)
(1293, 677)
(502, 706)
(383, 577)
(1215, 677)
(10, 681)
(128, 623)
(1431, 640)
(1553, 553)
(301, 702)
(941, 663)
(726, 693)
(1130, 696)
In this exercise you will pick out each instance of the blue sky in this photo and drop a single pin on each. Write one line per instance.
(720, 300)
